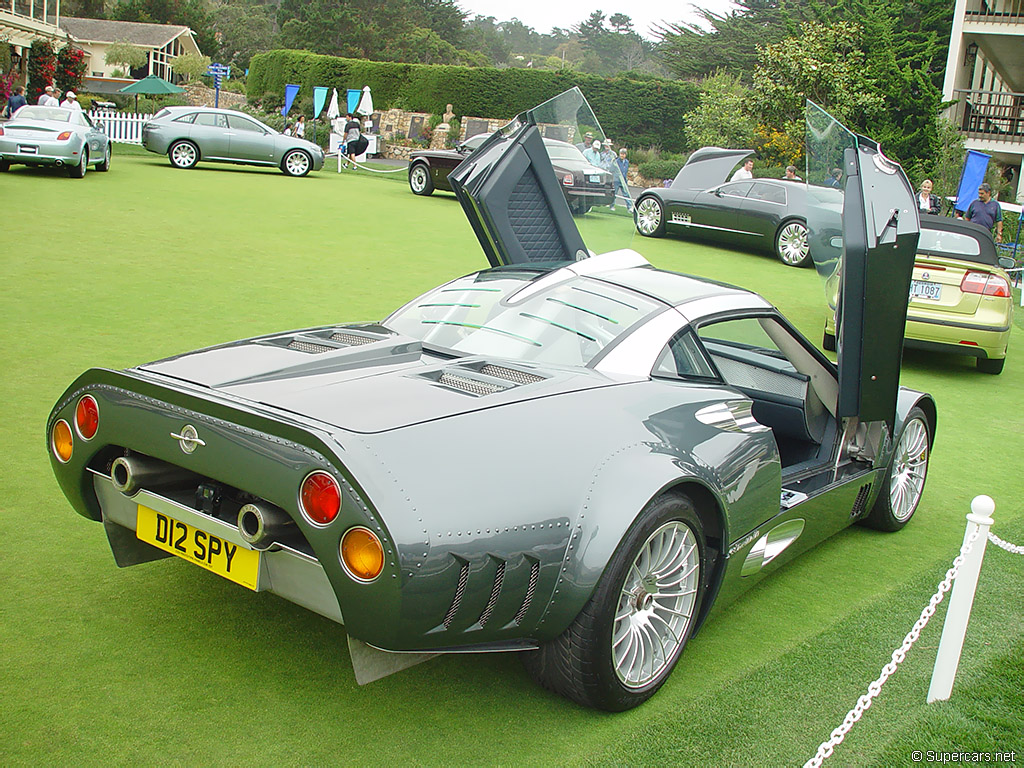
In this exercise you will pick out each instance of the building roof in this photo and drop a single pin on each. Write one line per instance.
(137, 33)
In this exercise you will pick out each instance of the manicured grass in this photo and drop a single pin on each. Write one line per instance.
(166, 663)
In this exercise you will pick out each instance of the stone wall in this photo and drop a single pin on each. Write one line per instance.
(198, 95)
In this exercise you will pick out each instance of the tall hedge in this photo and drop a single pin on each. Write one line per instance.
(638, 112)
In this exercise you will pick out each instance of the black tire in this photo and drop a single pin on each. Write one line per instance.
(296, 163)
(828, 341)
(419, 179)
(905, 477)
(183, 154)
(5, 166)
(581, 663)
(791, 244)
(649, 216)
(79, 171)
(104, 165)
(991, 365)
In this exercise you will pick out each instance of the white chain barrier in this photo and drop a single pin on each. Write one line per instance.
(977, 525)
(1011, 548)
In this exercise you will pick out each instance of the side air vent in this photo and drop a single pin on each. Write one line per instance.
(499, 577)
(466, 384)
(860, 503)
(510, 374)
(530, 589)
(309, 347)
(460, 590)
(351, 339)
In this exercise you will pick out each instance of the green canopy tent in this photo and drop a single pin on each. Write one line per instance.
(151, 85)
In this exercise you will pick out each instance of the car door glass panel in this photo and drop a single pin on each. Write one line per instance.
(186, 118)
(683, 358)
(211, 120)
(768, 193)
(242, 124)
(736, 189)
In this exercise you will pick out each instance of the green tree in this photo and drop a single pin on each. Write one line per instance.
(242, 31)
(131, 56)
(190, 65)
(721, 117)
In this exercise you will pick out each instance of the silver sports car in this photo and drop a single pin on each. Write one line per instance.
(66, 138)
(190, 134)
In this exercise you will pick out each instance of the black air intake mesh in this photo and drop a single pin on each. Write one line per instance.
(531, 221)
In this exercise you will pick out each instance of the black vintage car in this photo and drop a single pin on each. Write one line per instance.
(761, 214)
(584, 185)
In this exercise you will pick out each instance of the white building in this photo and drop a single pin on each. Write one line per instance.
(985, 75)
(162, 43)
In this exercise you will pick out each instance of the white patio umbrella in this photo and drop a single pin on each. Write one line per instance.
(365, 102)
(332, 108)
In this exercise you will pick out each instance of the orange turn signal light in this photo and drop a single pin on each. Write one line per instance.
(61, 441)
(362, 554)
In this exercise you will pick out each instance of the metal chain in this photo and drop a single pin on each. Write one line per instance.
(1012, 548)
(836, 738)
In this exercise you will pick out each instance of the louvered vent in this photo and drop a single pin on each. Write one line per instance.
(530, 589)
(511, 374)
(351, 339)
(466, 384)
(457, 600)
(499, 577)
(309, 347)
(861, 501)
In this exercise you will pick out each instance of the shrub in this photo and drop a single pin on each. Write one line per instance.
(661, 169)
(639, 112)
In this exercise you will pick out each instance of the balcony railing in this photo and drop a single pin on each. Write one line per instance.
(1002, 11)
(993, 115)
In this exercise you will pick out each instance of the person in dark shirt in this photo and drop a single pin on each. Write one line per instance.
(986, 212)
(17, 100)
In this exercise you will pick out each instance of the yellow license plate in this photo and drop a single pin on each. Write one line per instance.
(213, 553)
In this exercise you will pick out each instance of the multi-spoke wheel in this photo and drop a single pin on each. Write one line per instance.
(624, 643)
(791, 244)
(905, 478)
(183, 154)
(79, 171)
(104, 164)
(296, 163)
(649, 216)
(419, 179)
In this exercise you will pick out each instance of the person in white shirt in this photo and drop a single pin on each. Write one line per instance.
(70, 101)
(300, 126)
(46, 98)
(746, 172)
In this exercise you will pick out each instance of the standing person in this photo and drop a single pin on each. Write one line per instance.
(355, 143)
(46, 98)
(300, 126)
(607, 163)
(986, 211)
(593, 154)
(588, 139)
(17, 100)
(287, 129)
(621, 178)
(791, 174)
(746, 172)
(835, 179)
(71, 101)
(926, 201)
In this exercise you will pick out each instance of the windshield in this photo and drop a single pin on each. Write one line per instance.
(559, 151)
(29, 112)
(560, 318)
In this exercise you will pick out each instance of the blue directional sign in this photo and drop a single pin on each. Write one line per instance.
(217, 72)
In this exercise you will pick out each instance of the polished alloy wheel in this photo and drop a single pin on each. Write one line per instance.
(910, 467)
(655, 605)
(648, 216)
(418, 179)
(297, 163)
(792, 244)
(183, 155)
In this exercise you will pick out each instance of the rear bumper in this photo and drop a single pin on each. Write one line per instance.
(47, 153)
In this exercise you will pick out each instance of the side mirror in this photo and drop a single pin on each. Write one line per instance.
(717, 192)
(1006, 262)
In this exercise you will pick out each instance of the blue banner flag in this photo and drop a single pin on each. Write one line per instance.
(319, 99)
(971, 178)
(289, 96)
(354, 94)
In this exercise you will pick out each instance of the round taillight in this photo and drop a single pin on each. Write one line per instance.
(87, 417)
(362, 554)
(61, 441)
(320, 497)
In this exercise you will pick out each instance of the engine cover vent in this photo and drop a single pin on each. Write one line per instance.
(351, 339)
(309, 347)
(466, 384)
(510, 374)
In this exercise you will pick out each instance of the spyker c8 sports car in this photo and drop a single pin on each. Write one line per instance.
(614, 449)
(54, 136)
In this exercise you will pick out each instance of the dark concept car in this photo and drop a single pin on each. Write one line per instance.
(569, 456)
(54, 136)
(760, 214)
(190, 134)
(584, 185)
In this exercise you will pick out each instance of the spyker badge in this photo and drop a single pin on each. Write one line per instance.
(188, 439)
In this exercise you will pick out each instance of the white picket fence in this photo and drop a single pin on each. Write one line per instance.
(121, 127)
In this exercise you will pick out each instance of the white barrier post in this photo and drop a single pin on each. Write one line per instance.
(960, 601)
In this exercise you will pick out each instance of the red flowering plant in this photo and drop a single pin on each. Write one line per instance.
(42, 66)
(7, 85)
(70, 68)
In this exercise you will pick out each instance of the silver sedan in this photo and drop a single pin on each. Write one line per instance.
(65, 138)
(190, 134)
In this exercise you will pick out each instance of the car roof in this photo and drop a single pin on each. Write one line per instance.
(987, 246)
(177, 110)
(685, 291)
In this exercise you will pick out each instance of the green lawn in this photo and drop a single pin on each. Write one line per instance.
(165, 663)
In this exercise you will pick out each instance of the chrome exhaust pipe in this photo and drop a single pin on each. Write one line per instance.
(131, 474)
(261, 524)
(60, 163)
